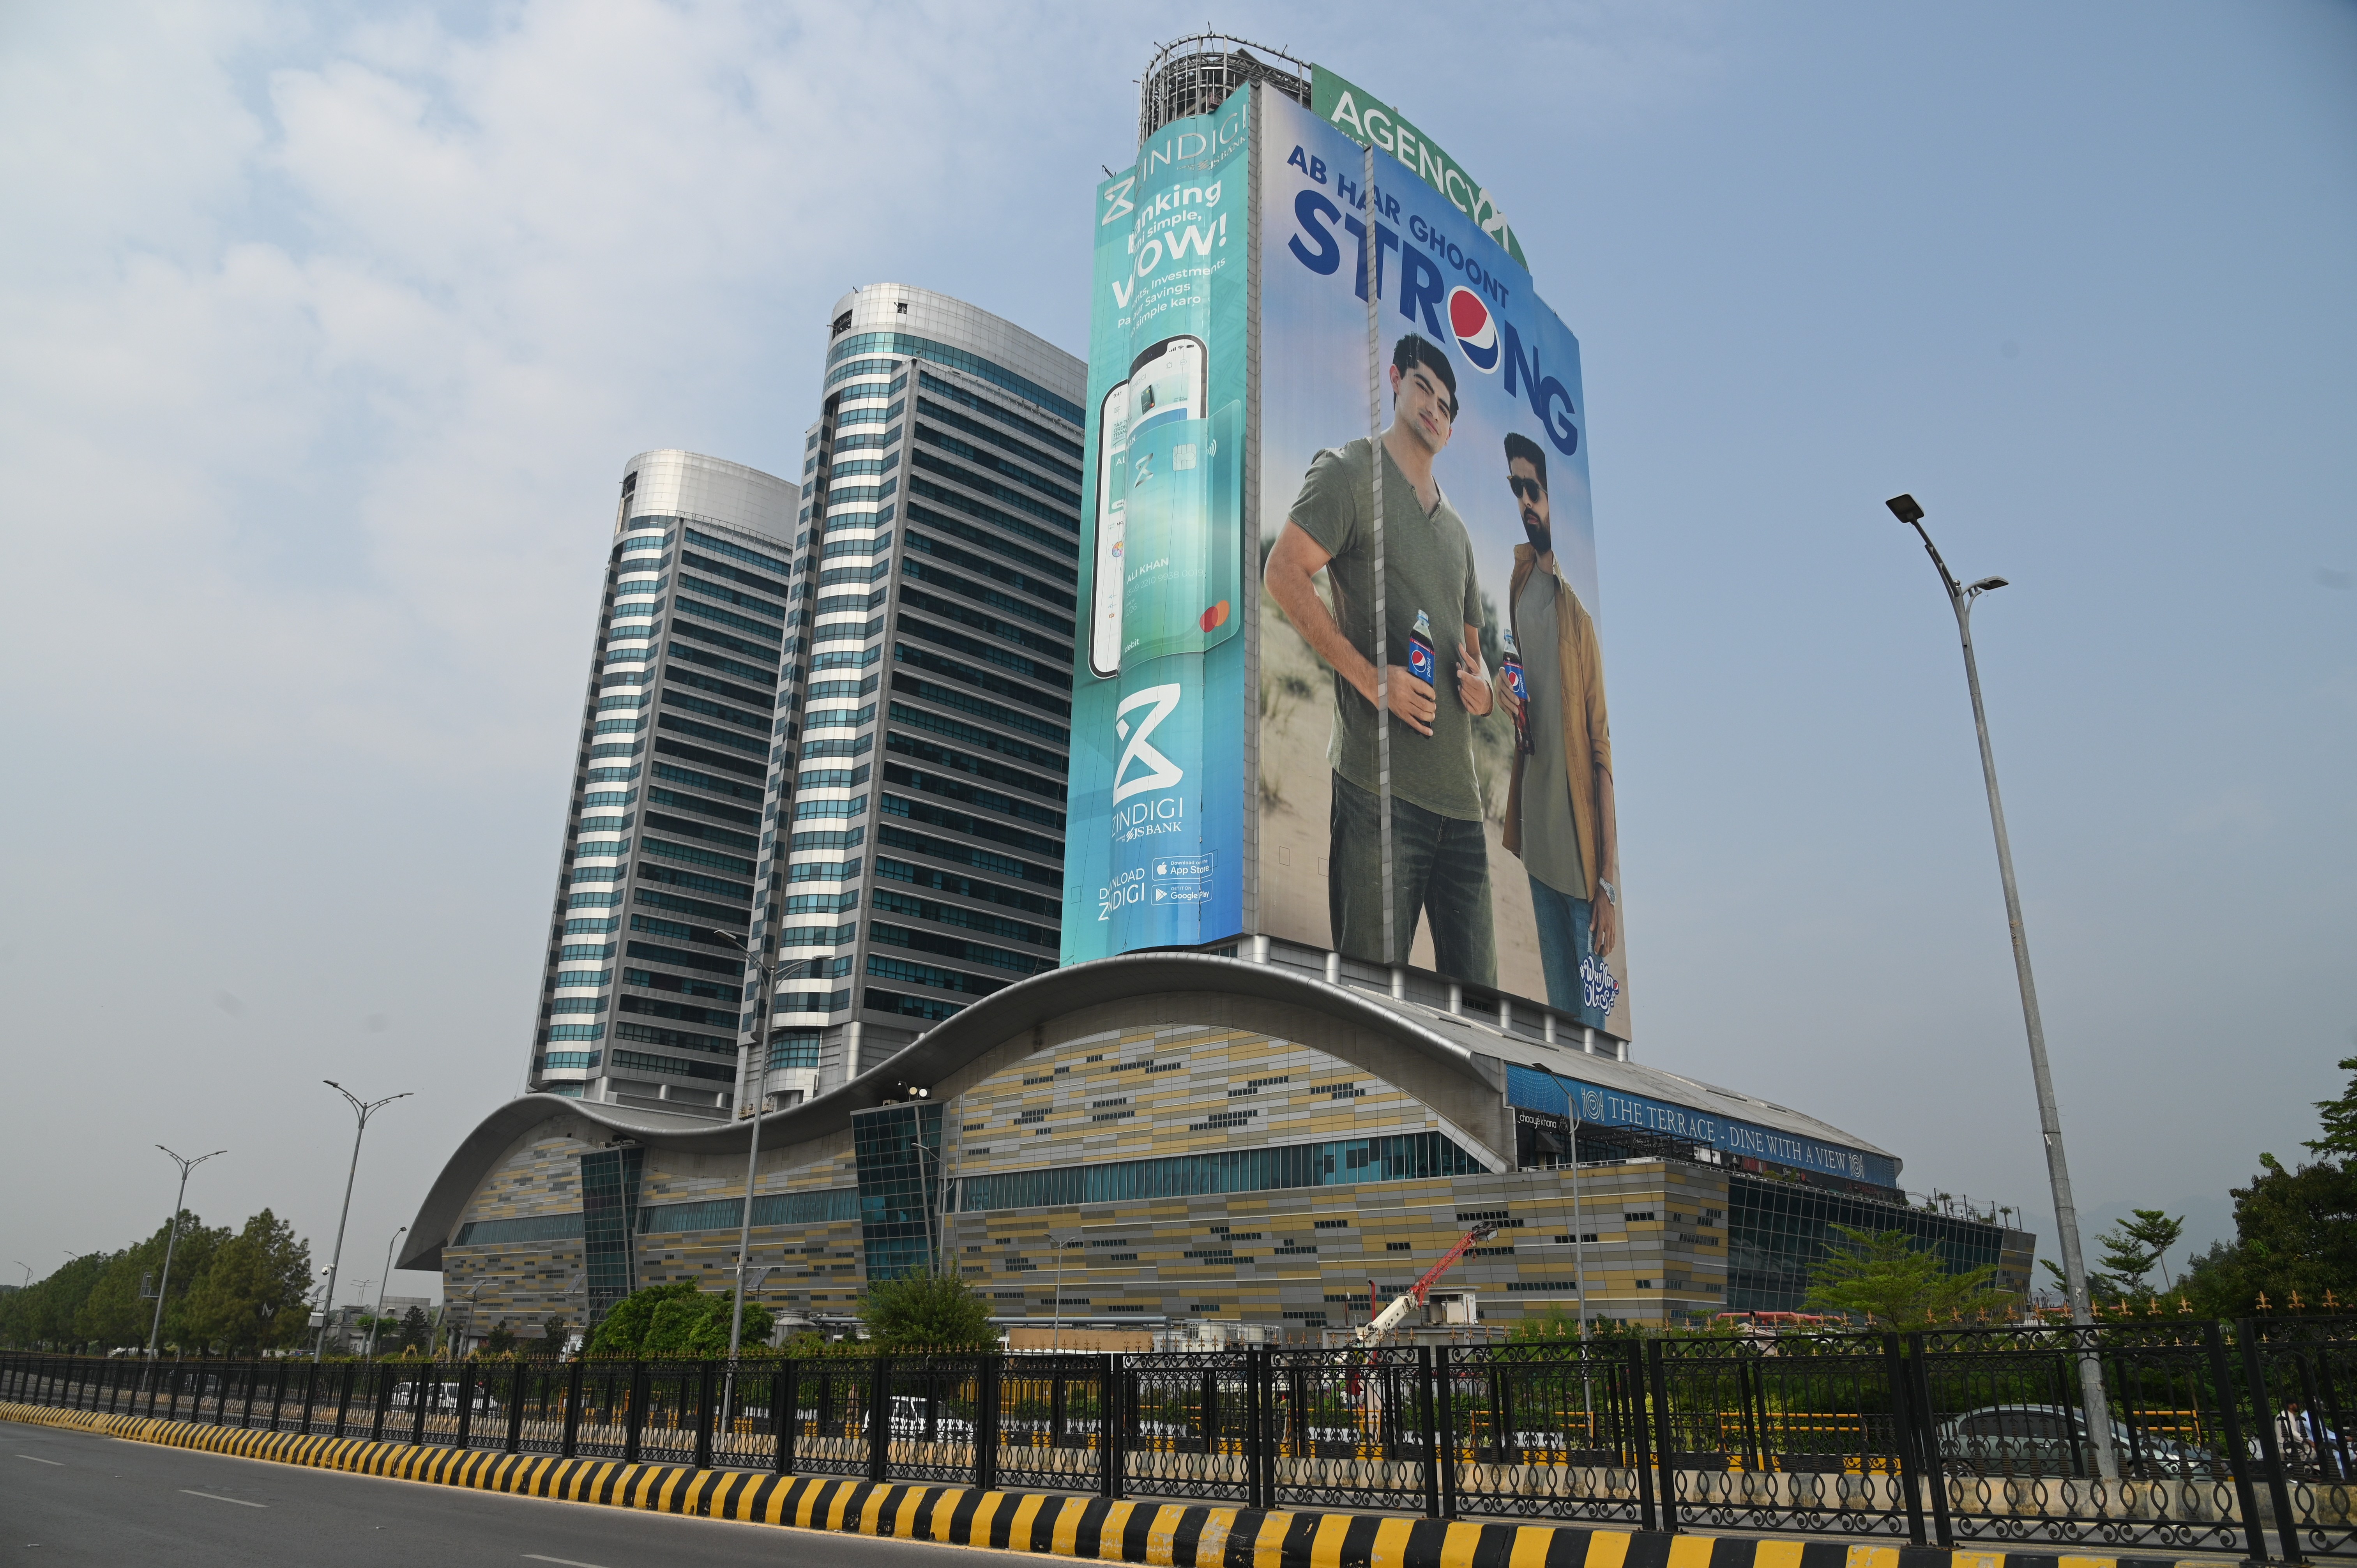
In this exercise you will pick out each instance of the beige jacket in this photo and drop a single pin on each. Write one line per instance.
(1586, 737)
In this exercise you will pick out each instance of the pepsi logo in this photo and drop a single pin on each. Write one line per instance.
(1476, 329)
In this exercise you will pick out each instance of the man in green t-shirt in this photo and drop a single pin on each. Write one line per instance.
(1440, 858)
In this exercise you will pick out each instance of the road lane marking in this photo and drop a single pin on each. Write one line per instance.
(570, 1562)
(39, 1460)
(216, 1498)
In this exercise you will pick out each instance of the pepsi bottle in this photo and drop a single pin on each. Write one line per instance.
(1509, 665)
(1421, 662)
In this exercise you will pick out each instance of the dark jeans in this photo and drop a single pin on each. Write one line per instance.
(1440, 867)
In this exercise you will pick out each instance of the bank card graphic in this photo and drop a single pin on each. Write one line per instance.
(1182, 566)
(1111, 496)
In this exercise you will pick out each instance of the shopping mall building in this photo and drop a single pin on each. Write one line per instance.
(1250, 1137)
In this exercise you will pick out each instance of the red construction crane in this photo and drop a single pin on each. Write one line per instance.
(1391, 1316)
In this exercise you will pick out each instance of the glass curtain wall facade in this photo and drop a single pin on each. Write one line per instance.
(643, 993)
(912, 857)
(1777, 1231)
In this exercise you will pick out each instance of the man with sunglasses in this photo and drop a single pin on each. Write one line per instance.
(1440, 861)
(1559, 811)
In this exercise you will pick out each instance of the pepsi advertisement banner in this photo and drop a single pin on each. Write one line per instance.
(1153, 853)
(1504, 853)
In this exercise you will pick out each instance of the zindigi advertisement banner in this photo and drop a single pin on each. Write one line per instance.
(1154, 855)
(1505, 864)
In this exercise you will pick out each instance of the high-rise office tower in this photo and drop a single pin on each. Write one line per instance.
(643, 996)
(918, 821)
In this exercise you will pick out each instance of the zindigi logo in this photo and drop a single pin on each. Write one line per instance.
(1159, 771)
(1476, 329)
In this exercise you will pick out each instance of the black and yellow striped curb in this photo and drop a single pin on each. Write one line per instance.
(1174, 1535)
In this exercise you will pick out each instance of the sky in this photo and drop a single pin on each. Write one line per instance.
(331, 328)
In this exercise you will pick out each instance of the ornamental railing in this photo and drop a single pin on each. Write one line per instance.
(2223, 1438)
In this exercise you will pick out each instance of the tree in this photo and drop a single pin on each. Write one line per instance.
(2295, 1234)
(553, 1335)
(2340, 1117)
(415, 1329)
(2153, 1233)
(252, 1295)
(1884, 1277)
(675, 1320)
(923, 1309)
(499, 1341)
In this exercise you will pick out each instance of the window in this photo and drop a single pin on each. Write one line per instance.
(1000, 439)
(729, 787)
(918, 718)
(700, 856)
(1008, 563)
(927, 975)
(794, 1049)
(826, 871)
(586, 977)
(838, 718)
(710, 965)
(818, 936)
(577, 1005)
(686, 985)
(1331, 1225)
(609, 797)
(851, 840)
(594, 952)
(714, 660)
(832, 777)
(978, 827)
(1397, 1246)
(640, 1062)
(561, 1061)
(967, 855)
(910, 345)
(577, 1032)
(805, 810)
(1013, 420)
(581, 928)
(970, 919)
(948, 697)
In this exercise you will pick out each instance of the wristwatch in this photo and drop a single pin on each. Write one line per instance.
(1611, 894)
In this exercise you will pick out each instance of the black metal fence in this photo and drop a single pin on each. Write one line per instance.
(2216, 1437)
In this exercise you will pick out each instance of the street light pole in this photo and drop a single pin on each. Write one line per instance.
(171, 1244)
(2050, 1116)
(752, 1074)
(361, 1110)
(382, 1280)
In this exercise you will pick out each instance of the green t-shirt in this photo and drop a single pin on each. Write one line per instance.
(1550, 837)
(1428, 566)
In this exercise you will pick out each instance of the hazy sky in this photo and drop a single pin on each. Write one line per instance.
(330, 328)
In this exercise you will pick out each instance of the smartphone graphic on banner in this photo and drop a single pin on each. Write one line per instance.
(1166, 382)
(1113, 499)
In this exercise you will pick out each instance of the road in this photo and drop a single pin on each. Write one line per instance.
(71, 1497)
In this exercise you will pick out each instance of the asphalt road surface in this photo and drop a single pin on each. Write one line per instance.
(72, 1497)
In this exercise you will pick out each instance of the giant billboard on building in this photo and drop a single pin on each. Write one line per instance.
(1229, 761)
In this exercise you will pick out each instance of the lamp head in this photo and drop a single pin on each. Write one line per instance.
(1986, 585)
(1904, 509)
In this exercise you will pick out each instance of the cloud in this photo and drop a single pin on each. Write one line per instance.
(348, 335)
